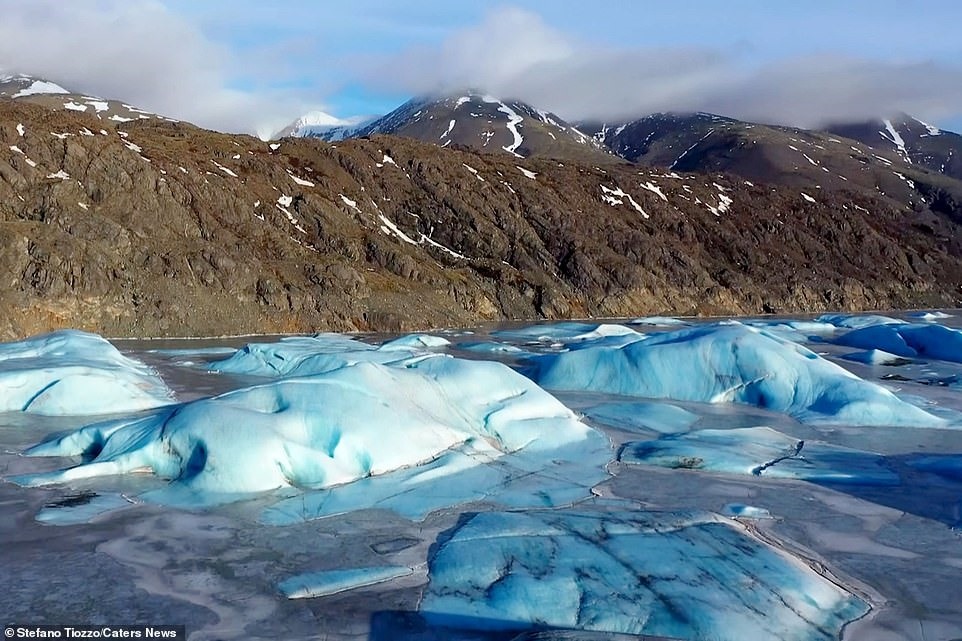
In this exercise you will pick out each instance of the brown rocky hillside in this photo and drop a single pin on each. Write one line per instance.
(152, 228)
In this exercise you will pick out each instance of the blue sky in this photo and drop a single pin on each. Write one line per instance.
(251, 65)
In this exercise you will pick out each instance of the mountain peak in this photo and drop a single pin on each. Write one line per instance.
(476, 119)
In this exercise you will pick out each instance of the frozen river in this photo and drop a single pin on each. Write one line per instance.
(770, 478)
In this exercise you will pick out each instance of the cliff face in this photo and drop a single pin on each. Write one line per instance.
(151, 228)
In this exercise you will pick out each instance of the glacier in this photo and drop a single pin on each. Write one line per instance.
(70, 372)
(730, 362)
(280, 477)
(683, 575)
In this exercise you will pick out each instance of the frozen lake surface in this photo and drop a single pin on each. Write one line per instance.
(771, 478)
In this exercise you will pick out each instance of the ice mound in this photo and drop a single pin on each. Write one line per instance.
(857, 321)
(307, 355)
(549, 474)
(730, 362)
(572, 335)
(355, 422)
(658, 321)
(71, 372)
(875, 357)
(909, 340)
(761, 451)
(929, 316)
(686, 576)
(797, 331)
(491, 347)
(415, 341)
(742, 511)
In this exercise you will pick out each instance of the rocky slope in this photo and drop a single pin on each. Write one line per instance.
(912, 140)
(39, 91)
(152, 227)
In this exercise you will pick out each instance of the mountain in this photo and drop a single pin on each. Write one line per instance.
(319, 124)
(151, 227)
(478, 121)
(770, 154)
(49, 94)
(912, 140)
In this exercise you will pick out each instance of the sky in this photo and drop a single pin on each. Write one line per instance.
(254, 66)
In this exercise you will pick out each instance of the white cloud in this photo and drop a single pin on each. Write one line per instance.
(514, 53)
(140, 52)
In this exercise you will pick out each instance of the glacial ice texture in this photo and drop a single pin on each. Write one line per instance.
(690, 576)
(346, 429)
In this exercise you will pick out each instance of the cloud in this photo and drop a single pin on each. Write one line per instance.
(514, 53)
(142, 53)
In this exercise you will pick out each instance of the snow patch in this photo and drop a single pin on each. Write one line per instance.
(896, 139)
(449, 129)
(350, 203)
(300, 181)
(615, 197)
(224, 169)
(655, 189)
(40, 87)
(397, 232)
(527, 173)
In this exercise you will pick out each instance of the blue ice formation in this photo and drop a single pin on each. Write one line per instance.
(306, 355)
(682, 575)
(929, 316)
(358, 422)
(548, 475)
(796, 331)
(660, 417)
(947, 465)
(415, 341)
(875, 357)
(761, 451)
(572, 335)
(742, 511)
(730, 362)
(70, 372)
(909, 340)
(658, 321)
(314, 584)
(491, 347)
(857, 321)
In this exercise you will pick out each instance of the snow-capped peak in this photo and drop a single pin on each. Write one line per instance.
(320, 119)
